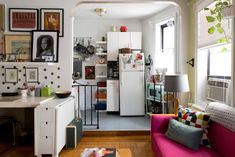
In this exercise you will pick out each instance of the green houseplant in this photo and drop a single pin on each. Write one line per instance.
(215, 18)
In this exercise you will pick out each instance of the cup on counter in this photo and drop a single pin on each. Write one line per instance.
(24, 92)
(38, 92)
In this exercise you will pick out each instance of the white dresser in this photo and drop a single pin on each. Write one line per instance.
(51, 119)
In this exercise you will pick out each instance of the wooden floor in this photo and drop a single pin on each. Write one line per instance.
(137, 141)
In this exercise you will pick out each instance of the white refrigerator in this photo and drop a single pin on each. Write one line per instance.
(131, 76)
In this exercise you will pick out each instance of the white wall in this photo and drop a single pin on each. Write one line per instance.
(99, 28)
(65, 47)
(149, 32)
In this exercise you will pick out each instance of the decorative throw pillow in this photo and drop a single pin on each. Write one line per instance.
(189, 136)
(196, 119)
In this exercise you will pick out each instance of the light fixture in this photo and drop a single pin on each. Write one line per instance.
(176, 83)
(101, 11)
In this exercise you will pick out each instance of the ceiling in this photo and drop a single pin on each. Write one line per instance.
(119, 10)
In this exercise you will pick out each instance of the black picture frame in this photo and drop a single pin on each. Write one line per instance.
(52, 19)
(31, 75)
(45, 46)
(23, 19)
(11, 75)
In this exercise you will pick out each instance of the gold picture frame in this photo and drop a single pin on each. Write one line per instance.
(19, 45)
(2, 17)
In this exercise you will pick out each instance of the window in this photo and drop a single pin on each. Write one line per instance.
(214, 63)
(165, 45)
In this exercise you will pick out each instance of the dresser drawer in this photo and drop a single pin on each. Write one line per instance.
(47, 128)
(46, 145)
(46, 114)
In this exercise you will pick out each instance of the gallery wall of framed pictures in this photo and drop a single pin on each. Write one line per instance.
(45, 25)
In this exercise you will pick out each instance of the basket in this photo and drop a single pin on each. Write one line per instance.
(125, 50)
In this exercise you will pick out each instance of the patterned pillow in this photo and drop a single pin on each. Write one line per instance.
(198, 120)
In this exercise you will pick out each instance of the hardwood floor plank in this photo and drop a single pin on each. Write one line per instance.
(138, 142)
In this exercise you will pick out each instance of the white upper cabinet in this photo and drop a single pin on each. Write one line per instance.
(124, 40)
(112, 46)
(135, 40)
(118, 40)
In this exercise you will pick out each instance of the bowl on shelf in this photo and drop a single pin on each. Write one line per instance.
(63, 94)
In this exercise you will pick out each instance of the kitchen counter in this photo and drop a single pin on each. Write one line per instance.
(22, 102)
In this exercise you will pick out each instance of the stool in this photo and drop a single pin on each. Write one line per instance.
(12, 121)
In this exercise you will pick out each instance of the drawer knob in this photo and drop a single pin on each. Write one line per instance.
(46, 122)
(46, 108)
(46, 137)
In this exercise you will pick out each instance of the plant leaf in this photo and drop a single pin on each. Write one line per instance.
(206, 9)
(212, 12)
(210, 18)
(223, 50)
(220, 29)
(218, 25)
(219, 17)
(211, 30)
(222, 40)
(225, 3)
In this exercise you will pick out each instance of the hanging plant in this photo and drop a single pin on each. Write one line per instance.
(215, 18)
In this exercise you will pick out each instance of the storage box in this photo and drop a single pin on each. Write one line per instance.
(73, 133)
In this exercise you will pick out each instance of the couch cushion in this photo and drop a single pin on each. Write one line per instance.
(165, 147)
(184, 134)
(196, 119)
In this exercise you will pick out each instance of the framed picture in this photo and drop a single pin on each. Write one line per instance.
(2, 17)
(2, 57)
(19, 45)
(89, 72)
(45, 46)
(23, 19)
(52, 19)
(31, 74)
(11, 75)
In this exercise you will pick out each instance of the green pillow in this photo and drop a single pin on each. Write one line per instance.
(184, 134)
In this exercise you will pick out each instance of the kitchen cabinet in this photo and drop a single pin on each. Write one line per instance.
(51, 119)
(113, 95)
(118, 40)
(112, 46)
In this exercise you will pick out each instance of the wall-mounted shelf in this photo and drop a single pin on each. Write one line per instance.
(101, 54)
(101, 65)
(101, 42)
(101, 76)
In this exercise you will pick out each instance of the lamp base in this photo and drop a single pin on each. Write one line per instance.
(176, 106)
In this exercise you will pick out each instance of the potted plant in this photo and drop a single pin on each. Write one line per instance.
(215, 17)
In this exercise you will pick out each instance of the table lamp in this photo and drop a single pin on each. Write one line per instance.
(176, 83)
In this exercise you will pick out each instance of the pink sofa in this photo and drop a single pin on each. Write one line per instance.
(222, 141)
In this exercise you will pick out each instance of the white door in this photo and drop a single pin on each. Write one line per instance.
(135, 40)
(124, 39)
(112, 95)
(112, 46)
(132, 94)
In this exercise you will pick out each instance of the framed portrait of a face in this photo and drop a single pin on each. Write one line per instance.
(23, 19)
(31, 74)
(44, 46)
(19, 45)
(11, 75)
(52, 19)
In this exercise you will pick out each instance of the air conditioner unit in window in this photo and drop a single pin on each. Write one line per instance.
(218, 90)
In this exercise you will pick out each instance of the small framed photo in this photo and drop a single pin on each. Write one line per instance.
(19, 45)
(11, 75)
(32, 74)
(23, 19)
(52, 19)
(2, 57)
(45, 46)
(89, 72)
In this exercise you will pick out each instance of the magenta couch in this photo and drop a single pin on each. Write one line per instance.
(222, 141)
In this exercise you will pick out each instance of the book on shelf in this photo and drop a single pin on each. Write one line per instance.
(99, 152)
